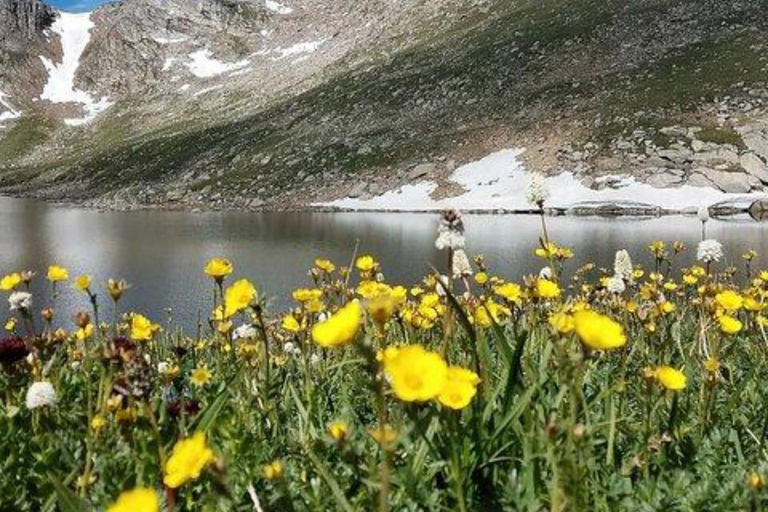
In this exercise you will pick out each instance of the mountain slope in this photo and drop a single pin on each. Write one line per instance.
(235, 104)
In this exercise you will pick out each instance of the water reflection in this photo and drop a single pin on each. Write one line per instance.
(162, 253)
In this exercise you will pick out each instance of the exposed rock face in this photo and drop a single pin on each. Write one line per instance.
(22, 22)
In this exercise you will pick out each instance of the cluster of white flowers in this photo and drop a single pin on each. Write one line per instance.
(545, 273)
(450, 231)
(245, 331)
(41, 394)
(162, 367)
(709, 251)
(461, 265)
(622, 265)
(290, 348)
(537, 191)
(616, 285)
(20, 300)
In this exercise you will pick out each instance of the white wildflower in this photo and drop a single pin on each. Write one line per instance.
(41, 394)
(162, 367)
(709, 251)
(450, 231)
(461, 266)
(20, 300)
(245, 331)
(703, 213)
(616, 285)
(545, 273)
(291, 348)
(622, 265)
(537, 191)
(314, 359)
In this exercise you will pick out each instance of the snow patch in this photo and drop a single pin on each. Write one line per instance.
(168, 64)
(10, 112)
(299, 48)
(499, 181)
(278, 7)
(203, 65)
(170, 40)
(207, 90)
(74, 29)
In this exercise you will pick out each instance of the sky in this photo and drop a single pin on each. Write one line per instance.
(76, 5)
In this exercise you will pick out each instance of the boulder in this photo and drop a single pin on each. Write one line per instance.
(757, 142)
(755, 166)
(421, 171)
(727, 181)
(678, 156)
(665, 178)
(357, 191)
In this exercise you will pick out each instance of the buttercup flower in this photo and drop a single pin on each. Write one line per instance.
(599, 332)
(137, 500)
(365, 263)
(709, 251)
(729, 324)
(57, 273)
(325, 265)
(41, 394)
(218, 268)
(188, 459)
(83, 282)
(238, 296)
(341, 328)
(563, 323)
(547, 289)
(274, 470)
(459, 389)
(10, 282)
(416, 374)
(141, 328)
(338, 430)
(729, 300)
(510, 291)
(670, 378)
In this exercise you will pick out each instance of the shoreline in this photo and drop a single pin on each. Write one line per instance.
(753, 208)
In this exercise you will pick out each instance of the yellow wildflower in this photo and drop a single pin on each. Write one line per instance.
(384, 435)
(416, 374)
(10, 282)
(562, 322)
(481, 278)
(670, 378)
(188, 459)
(238, 296)
(83, 282)
(219, 268)
(729, 300)
(547, 289)
(459, 389)
(729, 324)
(137, 500)
(341, 328)
(141, 328)
(98, 422)
(200, 376)
(338, 430)
(325, 265)
(290, 324)
(274, 470)
(365, 263)
(57, 273)
(510, 291)
(599, 332)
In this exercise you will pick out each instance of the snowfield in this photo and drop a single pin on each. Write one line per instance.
(203, 65)
(75, 32)
(278, 7)
(499, 182)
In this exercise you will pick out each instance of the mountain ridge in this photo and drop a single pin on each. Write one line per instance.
(365, 107)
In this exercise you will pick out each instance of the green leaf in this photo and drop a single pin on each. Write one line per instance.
(67, 499)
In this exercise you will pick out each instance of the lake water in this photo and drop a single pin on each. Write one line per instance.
(162, 253)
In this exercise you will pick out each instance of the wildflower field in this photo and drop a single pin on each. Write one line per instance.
(610, 389)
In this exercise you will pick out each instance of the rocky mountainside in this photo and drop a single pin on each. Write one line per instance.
(258, 103)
